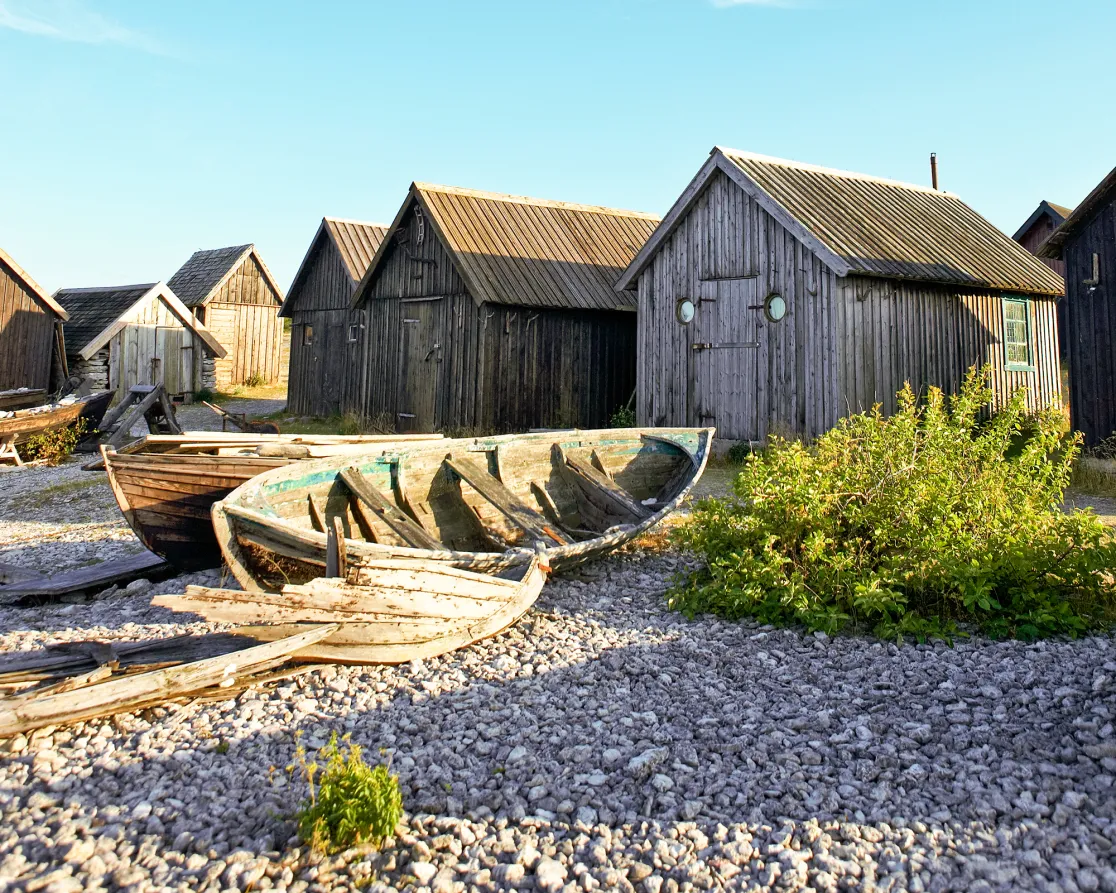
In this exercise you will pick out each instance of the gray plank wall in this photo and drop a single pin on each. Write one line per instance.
(26, 335)
(324, 375)
(844, 344)
(499, 367)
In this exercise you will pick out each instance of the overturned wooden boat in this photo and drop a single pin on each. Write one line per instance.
(19, 426)
(387, 612)
(569, 496)
(166, 484)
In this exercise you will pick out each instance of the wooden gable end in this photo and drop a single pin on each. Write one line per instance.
(416, 262)
(26, 334)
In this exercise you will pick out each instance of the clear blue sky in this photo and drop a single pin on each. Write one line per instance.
(136, 132)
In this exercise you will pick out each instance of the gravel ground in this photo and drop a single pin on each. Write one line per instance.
(196, 417)
(602, 743)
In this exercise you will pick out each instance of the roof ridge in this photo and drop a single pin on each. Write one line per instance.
(134, 287)
(357, 222)
(528, 200)
(832, 171)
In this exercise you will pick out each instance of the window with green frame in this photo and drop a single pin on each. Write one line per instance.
(1017, 334)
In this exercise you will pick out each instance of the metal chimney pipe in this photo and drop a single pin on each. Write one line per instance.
(934, 169)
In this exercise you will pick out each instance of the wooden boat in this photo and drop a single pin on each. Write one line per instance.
(22, 424)
(391, 611)
(21, 398)
(166, 484)
(569, 496)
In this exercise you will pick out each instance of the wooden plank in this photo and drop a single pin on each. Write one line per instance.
(509, 505)
(317, 516)
(98, 576)
(130, 693)
(123, 432)
(609, 490)
(384, 509)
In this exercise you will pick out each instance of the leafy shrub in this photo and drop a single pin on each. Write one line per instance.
(907, 525)
(624, 417)
(739, 452)
(52, 447)
(352, 803)
(255, 380)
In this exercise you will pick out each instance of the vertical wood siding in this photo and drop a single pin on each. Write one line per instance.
(495, 367)
(1091, 327)
(325, 375)
(844, 344)
(26, 335)
(154, 347)
(244, 316)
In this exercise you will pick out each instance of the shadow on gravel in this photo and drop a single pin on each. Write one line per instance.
(708, 721)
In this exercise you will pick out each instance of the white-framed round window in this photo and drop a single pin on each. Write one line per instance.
(685, 311)
(774, 307)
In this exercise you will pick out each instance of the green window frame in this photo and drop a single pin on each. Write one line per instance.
(1019, 348)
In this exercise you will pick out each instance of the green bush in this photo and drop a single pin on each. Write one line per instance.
(352, 802)
(54, 446)
(255, 380)
(739, 452)
(624, 417)
(907, 525)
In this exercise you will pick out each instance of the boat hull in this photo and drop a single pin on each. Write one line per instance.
(26, 422)
(407, 609)
(568, 490)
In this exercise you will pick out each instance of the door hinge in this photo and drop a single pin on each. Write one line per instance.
(709, 345)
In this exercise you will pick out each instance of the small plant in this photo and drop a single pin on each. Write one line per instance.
(351, 803)
(739, 452)
(222, 747)
(54, 446)
(624, 417)
(204, 395)
(255, 380)
(907, 525)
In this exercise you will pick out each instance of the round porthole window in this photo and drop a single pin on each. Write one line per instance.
(774, 307)
(685, 312)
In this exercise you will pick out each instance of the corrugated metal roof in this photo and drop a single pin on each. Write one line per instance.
(1101, 195)
(21, 274)
(92, 310)
(897, 230)
(532, 252)
(357, 242)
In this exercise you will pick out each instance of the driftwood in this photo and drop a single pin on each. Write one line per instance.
(129, 693)
(86, 579)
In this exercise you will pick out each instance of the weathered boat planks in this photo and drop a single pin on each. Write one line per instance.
(398, 610)
(570, 496)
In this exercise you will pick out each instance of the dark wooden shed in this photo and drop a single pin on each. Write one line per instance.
(777, 297)
(1046, 218)
(30, 330)
(232, 292)
(497, 312)
(1086, 244)
(326, 332)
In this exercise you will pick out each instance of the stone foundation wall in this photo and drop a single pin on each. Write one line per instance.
(96, 369)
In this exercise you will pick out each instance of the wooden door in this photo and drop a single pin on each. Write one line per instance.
(727, 388)
(167, 362)
(419, 366)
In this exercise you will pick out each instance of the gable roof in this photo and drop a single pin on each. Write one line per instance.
(36, 289)
(1056, 213)
(356, 243)
(201, 277)
(95, 315)
(527, 251)
(869, 226)
(1102, 194)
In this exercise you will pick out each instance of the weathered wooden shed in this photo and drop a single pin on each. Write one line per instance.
(777, 297)
(232, 292)
(30, 330)
(326, 332)
(126, 335)
(497, 312)
(1086, 243)
(1046, 218)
